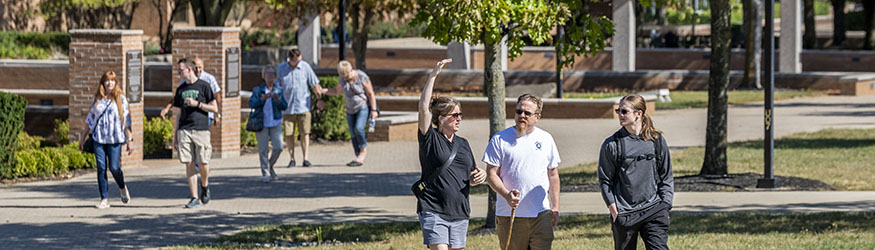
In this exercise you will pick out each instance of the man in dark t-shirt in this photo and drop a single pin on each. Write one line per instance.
(191, 137)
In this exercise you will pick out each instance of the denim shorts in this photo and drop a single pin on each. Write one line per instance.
(439, 231)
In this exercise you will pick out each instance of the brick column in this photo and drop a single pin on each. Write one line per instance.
(215, 45)
(92, 52)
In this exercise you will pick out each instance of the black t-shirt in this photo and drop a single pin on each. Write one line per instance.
(447, 196)
(193, 118)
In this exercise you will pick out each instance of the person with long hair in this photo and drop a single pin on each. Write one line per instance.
(268, 101)
(109, 123)
(636, 179)
(360, 105)
(443, 205)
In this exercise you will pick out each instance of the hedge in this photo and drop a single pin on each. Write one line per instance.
(157, 135)
(11, 124)
(24, 45)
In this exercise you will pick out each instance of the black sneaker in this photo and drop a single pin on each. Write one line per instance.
(193, 203)
(292, 163)
(205, 194)
(306, 163)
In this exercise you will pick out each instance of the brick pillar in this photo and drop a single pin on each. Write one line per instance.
(93, 52)
(216, 46)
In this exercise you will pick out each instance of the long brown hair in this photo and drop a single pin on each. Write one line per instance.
(116, 94)
(648, 132)
(441, 105)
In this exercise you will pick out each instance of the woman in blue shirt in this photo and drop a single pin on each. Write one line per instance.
(109, 122)
(268, 93)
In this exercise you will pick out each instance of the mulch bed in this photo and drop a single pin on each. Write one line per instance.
(730, 182)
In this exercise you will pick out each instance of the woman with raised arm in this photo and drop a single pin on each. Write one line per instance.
(448, 170)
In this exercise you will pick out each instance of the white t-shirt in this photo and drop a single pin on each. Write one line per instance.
(523, 163)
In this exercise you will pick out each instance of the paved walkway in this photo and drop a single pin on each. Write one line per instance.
(60, 214)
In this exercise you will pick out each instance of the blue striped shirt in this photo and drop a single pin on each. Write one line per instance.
(108, 129)
(295, 83)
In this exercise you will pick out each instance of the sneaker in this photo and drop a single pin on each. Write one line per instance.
(126, 195)
(193, 203)
(265, 179)
(306, 163)
(354, 164)
(103, 204)
(205, 194)
(292, 163)
(274, 177)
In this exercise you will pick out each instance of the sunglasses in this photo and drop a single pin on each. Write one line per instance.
(623, 111)
(528, 113)
(455, 115)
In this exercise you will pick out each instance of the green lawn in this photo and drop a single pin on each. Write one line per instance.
(699, 99)
(834, 156)
(688, 231)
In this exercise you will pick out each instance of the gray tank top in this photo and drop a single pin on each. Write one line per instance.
(354, 92)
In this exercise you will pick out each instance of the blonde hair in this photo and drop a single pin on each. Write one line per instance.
(116, 93)
(344, 68)
(648, 132)
(534, 99)
(441, 105)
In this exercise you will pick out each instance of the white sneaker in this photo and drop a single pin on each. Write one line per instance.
(266, 179)
(103, 204)
(274, 177)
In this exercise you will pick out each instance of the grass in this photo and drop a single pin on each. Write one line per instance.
(835, 230)
(699, 99)
(836, 157)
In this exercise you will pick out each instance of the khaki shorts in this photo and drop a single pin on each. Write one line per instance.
(302, 121)
(194, 145)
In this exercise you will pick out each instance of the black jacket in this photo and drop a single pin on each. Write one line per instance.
(642, 181)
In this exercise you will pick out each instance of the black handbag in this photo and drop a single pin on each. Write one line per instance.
(88, 146)
(256, 122)
(420, 185)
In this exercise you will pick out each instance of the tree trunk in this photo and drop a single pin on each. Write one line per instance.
(211, 12)
(869, 9)
(715, 138)
(360, 32)
(838, 23)
(493, 80)
(753, 44)
(809, 37)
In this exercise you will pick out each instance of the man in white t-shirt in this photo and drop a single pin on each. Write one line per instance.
(522, 163)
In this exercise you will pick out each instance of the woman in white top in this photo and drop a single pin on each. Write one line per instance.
(109, 123)
(360, 106)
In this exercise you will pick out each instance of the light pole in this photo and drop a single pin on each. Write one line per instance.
(768, 180)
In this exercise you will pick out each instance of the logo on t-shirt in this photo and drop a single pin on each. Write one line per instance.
(538, 145)
(191, 93)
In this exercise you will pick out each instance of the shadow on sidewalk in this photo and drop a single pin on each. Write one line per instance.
(782, 208)
(149, 230)
(305, 185)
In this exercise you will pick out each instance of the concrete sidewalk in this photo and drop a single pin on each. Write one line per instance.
(60, 214)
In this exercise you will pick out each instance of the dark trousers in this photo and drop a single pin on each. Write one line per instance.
(652, 224)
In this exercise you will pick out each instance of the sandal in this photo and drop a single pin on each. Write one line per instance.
(126, 195)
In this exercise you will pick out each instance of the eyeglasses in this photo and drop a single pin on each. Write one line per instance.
(528, 113)
(455, 115)
(623, 111)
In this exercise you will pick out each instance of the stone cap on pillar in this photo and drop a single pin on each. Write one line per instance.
(207, 29)
(105, 32)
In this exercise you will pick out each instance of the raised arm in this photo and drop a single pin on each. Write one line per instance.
(425, 99)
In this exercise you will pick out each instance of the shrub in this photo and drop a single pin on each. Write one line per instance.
(27, 142)
(11, 124)
(330, 123)
(266, 37)
(62, 131)
(60, 163)
(78, 159)
(157, 135)
(247, 139)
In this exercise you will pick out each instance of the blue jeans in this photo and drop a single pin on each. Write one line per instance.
(113, 153)
(357, 124)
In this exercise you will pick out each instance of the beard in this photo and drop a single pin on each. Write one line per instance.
(521, 127)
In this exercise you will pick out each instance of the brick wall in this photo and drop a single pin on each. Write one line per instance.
(93, 52)
(209, 44)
